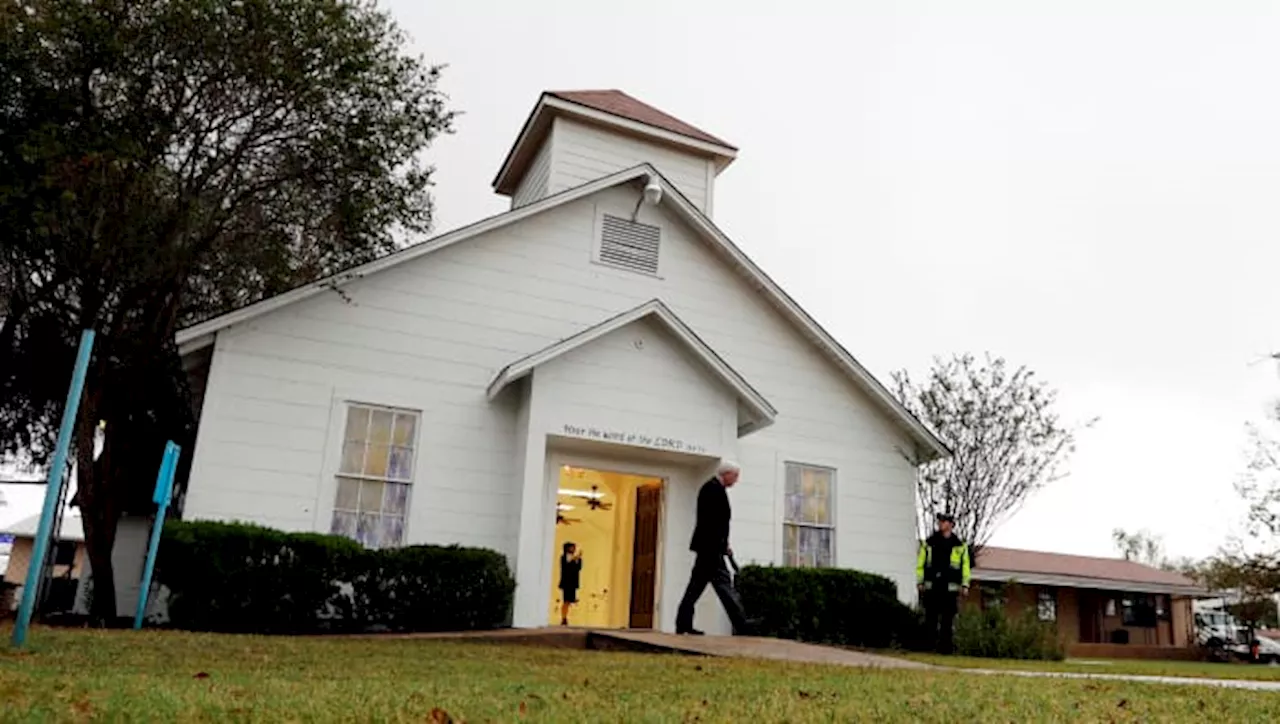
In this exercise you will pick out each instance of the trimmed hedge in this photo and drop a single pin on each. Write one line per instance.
(827, 605)
(235, 577)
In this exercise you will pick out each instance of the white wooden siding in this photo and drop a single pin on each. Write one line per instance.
(534, 184)
(430, 334)
(585, 153)
(638, 379)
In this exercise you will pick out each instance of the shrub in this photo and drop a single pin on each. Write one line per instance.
(247, 578)
(827, 605)
(236, 577)
(433, 588)
(995, 634)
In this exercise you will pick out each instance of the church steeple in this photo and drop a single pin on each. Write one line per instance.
(573, 137)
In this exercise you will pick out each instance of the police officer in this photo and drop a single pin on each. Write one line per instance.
(942, 574)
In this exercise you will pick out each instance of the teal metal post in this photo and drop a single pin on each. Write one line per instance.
(53, 491)
(161, 497)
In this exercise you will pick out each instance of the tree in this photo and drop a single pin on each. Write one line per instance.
(1140, 547)
(1007, 438)
(1259, 485)
(1251, 580)
(1148, 549)
(162, 161)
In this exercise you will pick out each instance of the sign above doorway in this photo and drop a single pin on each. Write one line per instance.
(624, 437)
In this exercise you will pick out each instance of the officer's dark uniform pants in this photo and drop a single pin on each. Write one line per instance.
(939, 617)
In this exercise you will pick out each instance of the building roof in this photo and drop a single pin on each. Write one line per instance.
(1036, 567)
(620, 104)
(72, 527)
(612, 109)
(927, 445)
(762, 414)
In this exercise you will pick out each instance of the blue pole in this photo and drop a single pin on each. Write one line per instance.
(164, 489)
(53, 490)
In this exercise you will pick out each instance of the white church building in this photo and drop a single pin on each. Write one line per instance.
(571, 370)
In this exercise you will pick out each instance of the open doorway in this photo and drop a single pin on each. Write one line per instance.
(609, 520)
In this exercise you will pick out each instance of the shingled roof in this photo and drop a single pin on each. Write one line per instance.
(620, 104)
(1113, 573)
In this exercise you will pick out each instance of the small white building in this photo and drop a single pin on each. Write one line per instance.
(570, 370)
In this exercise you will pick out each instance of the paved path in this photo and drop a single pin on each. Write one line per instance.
(1251, 684)
(761, 648)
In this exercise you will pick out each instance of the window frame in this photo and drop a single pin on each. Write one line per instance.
(1047, 595)
(344, 408)
(1138, 610)
(798, 525)
(993, 595)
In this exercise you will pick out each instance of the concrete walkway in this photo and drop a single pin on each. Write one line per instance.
(750, 647)
(1250, 684)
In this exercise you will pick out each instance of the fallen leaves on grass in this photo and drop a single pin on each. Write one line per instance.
(439, 716)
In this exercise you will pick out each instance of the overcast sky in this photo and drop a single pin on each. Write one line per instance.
(1089, 190)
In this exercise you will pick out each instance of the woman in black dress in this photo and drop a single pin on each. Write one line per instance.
(570, 573)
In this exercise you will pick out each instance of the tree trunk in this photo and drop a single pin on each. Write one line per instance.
(99, 512)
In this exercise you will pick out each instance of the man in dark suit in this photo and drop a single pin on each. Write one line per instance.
(711, 544)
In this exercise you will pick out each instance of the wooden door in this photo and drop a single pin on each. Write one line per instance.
(1089, 607)
(644, 562)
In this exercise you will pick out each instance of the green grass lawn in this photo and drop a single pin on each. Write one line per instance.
(1195, 669)
(69, 675)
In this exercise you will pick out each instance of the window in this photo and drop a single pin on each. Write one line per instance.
(1138, 610)
(1162, 608)
(375, 474)
(1047, 604)
(992, 595)
(808, 531)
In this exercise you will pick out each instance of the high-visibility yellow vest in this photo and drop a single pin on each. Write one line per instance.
(959, 566)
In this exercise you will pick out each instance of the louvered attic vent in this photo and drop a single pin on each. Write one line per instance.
(628, 245)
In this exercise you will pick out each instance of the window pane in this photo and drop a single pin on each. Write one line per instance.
(344, 524)
(401, 465)
(370, 496)
(348, 494)
(403, 434)
(357, 424)
(825, 556)
(789, 546)
(793, 480)
(376, 460)
(380, 427)
(794, 504)
(352, 458)
(808, 495)
(395, 499)
(816, 510)
(392, 530)
(1047, 606)
(367, 531)
(815, 547)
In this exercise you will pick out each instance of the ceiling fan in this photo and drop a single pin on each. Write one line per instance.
(560, 515)
(596, 500)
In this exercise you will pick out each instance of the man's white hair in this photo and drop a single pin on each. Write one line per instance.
(727, 466)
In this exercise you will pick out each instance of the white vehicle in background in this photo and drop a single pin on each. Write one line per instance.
(1217, 629)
